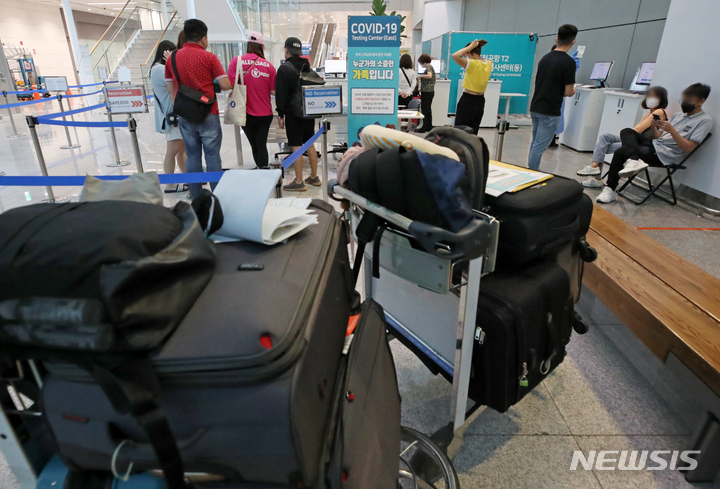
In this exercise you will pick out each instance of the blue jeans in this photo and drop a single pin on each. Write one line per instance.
(199, 136)
(543, 132)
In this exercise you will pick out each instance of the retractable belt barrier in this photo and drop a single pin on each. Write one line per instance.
(301, 150)
(93, 84)
(79, 181)
(26, 92)
(48, 181)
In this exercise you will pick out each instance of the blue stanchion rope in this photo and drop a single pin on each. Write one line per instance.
(43, 118)
(82, 94)
(298, 154)
(79, 181)
(25, 92)
(31, 102)
(92, 84)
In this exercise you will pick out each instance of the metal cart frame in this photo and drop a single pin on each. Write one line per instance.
(473, 249)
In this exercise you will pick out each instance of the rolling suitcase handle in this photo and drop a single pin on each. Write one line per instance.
(470, 242)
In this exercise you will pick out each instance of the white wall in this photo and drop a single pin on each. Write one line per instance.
(689, 53)
(441, 17)
(40, 27)
(418, 12)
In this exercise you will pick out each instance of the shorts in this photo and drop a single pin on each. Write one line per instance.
(173, 134)
(298, 130)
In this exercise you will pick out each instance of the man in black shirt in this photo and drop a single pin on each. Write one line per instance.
(554, 80)
(298, 130)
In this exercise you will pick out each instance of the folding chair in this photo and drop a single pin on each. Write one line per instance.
(652, 189)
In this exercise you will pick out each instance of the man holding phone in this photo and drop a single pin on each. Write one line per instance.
(672, 140)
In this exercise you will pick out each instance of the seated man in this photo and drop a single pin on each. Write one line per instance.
(671, 141)
(656, 101)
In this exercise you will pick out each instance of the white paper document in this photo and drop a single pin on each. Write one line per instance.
(249, 213)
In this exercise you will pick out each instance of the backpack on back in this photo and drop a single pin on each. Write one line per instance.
(306, 78)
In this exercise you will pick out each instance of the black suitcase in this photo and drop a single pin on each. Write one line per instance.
(525, 319)
(537, 221)
(252, 377)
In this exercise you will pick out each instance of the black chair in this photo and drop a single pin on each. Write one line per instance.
(650, 189)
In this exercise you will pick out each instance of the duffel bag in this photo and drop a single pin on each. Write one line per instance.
(99, 285)
(535, 222)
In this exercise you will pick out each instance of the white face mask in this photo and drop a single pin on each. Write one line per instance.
(652, 102)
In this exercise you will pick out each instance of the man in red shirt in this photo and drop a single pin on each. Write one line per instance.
(199, 69)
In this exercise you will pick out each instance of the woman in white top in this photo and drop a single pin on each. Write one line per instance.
(408, 80)
(163, 106)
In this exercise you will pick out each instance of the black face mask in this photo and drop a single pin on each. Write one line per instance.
(687, 107)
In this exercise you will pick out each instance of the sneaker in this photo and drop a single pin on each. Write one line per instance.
(607, 196)
(592, 183)
(314, 181)
(295, 187)
(633, 167)
(589, 171)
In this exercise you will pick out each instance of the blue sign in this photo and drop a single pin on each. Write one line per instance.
(373, 71)
(322, 101)
(513, 58)
(306, 47)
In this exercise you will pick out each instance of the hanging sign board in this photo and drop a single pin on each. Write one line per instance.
(126, 100)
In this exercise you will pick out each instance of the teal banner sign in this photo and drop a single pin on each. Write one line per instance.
(373, 70)
(513, 58)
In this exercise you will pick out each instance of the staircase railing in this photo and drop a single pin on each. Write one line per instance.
(172, 22)
(120, 29)
(109, 27)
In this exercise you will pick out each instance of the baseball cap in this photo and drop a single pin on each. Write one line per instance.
(256, 37)
(293, 45)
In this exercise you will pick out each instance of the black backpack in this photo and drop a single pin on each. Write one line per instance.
(473, 152)
(398, 180)
(306, 78)
(100, 285)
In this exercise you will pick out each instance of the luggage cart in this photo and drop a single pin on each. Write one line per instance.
(429, 287)
(27, 446)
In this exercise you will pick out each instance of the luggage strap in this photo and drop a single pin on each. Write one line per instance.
(131, 388)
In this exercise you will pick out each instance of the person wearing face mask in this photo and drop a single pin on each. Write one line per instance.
(656, 101)
(671, 141)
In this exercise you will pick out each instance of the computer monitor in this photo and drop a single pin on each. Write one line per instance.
(601, 71)
(436, 63)
(335, 66)
(646, 73)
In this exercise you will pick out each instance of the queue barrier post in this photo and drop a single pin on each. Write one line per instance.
(502, 128)
(238, 146)
(132, 125)
(32, 122)
(12, 121)
(118, 161)
(325, 127)
(70, 144)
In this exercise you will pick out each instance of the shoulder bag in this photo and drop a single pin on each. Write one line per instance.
(236, 107)
(189, 103)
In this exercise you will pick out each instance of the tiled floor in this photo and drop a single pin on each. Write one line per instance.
(596, 400)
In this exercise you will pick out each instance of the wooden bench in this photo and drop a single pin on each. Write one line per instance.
(670, 304)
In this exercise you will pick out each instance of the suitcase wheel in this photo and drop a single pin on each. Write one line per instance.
(580, 326)
(587, 252)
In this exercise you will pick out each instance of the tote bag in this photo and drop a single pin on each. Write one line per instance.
(235, 110)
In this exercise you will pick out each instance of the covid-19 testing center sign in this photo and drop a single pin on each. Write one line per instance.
(373, 69)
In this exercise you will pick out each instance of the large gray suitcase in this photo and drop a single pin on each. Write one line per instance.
(254, 378)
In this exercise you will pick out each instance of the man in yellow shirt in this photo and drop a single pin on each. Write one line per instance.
(471, 106)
